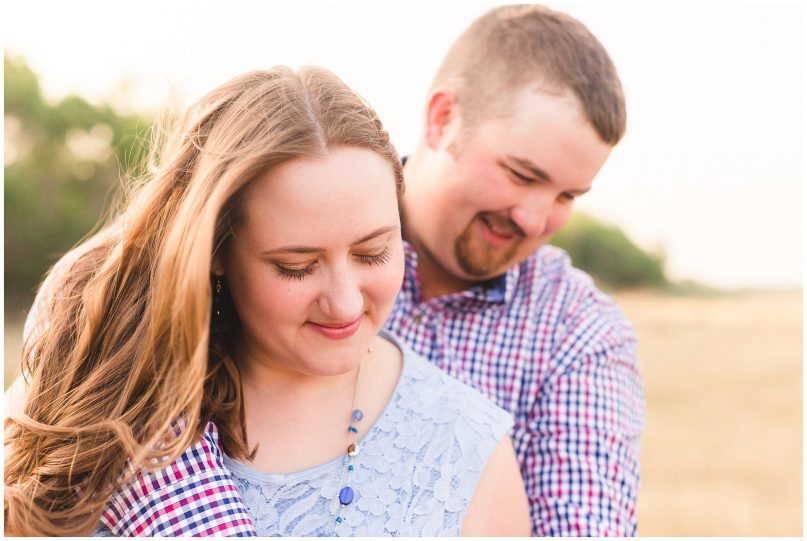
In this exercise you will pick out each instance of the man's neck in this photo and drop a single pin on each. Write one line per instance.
(438, 284)
(433, 279)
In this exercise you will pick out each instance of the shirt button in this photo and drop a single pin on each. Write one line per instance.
(418, 319)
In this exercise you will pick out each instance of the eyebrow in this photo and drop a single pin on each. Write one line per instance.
(540, 173)
(531, 167)
(312, 249)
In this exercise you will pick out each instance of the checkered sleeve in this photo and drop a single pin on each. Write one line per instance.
(582, 460)
(193, 496)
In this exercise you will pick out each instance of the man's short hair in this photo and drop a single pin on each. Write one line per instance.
(510, 47)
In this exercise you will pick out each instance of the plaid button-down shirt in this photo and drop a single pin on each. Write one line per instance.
(543, 343)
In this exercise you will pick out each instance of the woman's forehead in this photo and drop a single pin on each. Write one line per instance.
(347, 193)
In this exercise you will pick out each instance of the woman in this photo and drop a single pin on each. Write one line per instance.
(211, 363)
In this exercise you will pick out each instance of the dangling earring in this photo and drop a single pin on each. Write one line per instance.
(218, 295)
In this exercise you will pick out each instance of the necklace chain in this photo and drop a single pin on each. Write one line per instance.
(346, 494)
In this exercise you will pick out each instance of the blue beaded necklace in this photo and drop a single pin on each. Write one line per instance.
(346, 494)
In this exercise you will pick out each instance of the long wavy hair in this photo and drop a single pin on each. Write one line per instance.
(123, 345)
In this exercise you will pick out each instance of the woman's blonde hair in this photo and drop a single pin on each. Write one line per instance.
(127, 346)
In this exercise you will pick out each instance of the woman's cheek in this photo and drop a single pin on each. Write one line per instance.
(285, 295)
(264, 295)
(389, 283)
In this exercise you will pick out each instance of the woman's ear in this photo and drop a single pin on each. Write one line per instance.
(216, 266)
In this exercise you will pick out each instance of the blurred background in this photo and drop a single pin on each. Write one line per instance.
(694, 224)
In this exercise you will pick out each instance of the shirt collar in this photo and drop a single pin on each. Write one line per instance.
(410, 260)
(499, 289)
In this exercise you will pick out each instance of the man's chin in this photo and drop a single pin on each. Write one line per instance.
(476, 272)
(479, 265)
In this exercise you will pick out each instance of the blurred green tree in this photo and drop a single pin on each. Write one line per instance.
(608, 255)
(63, 168)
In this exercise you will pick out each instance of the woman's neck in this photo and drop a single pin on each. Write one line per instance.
(299, 421)
(275, 384)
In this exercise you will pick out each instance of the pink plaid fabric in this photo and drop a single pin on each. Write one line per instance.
(543, 343)
(194, 496)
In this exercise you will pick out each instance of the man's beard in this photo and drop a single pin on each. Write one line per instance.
(484, 261)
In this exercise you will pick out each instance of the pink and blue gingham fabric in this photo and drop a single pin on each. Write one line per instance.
(544, 344)
(194, 496)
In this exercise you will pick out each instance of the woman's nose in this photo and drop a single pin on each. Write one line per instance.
(342, 300)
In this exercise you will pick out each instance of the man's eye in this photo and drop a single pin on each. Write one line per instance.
(524, 179)
(295, 274)
(375, 259)
(568, 196)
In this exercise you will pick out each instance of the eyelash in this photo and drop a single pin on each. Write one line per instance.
(376, 259)
(298, 274)
(529, 181)
(294, 274)
(522, 178)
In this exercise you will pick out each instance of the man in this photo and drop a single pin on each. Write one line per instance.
(523, 112)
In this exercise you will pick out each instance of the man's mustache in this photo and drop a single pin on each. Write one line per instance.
(503, 224)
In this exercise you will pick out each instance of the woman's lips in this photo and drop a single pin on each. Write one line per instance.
(336, 331)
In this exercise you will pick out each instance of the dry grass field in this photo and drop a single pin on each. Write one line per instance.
(722, 451)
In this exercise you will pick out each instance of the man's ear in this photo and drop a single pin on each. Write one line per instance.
(441, 113)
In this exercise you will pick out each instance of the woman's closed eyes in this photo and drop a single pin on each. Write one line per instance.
(298, 272)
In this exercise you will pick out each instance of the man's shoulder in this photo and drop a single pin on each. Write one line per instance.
(553, 265)
(204, 456)
(156, 502)
(548, 276)
(550, 283)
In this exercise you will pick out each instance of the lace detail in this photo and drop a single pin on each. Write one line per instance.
(416, 473)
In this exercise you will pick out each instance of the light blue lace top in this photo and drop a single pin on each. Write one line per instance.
(414, 476)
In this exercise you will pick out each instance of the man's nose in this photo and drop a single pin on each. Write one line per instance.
(532, 214)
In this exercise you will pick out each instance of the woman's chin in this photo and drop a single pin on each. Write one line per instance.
(335, 362)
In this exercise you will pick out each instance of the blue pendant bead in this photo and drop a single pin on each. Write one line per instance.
(346, 496)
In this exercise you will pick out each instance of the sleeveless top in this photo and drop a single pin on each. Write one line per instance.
(415, 474)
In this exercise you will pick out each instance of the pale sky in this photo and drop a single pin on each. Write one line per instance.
(711, 166)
